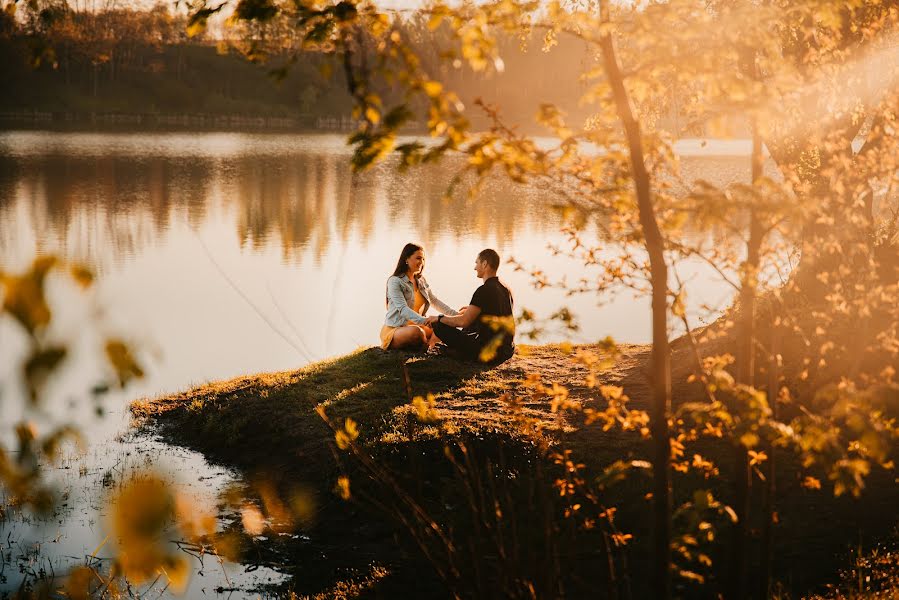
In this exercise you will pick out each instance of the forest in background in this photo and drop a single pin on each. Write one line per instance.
(71, 63)
(56, 59)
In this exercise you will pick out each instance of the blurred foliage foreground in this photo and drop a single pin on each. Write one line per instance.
(143, 511)
(738, 460)
(728, 428)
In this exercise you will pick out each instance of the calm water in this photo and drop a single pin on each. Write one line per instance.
(225, 254)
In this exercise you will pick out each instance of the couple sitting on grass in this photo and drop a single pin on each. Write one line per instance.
(483, 330)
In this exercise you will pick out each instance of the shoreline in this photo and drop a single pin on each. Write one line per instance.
(163, 122)
(119, 122)
(12, 120)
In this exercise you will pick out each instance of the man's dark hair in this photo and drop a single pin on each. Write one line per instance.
(490, 257)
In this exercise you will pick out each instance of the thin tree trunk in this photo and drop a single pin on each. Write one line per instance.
(738, 575)
(661, 360)
(767, 550)
(738, 580)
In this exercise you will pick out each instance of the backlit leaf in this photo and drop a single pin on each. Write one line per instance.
(39, 366)
(24, 296)
(120, 358)
(343, 487)
(345, 437)
(82, 275)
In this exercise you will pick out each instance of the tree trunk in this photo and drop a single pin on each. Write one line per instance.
(738, 578)
(661, 361)
(767, 550)
(738, 575)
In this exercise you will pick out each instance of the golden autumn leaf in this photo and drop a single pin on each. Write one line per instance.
(756, 458)
(343, 487)
(345, 437)
(749, 439)
(435, 20)
(432, 88)
(24, 295)
(120, 358)
(811, 483)
(141, 511)
(82, 275)
(425, 408)
(39, 366)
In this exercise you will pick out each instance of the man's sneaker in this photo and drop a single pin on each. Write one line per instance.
(438, 349)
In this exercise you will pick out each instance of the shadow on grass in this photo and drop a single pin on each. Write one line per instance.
(268, 421)
(266, 425)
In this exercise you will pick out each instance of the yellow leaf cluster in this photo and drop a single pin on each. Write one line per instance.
(123, 361)
(141, 513)
(346, 436)
(425, 408)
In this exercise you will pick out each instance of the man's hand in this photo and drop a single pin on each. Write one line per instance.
(430, 320)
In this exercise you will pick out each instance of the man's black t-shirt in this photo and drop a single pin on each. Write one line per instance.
(494, 299)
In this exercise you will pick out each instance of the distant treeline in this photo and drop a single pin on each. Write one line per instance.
(57, 60)
(68, 65)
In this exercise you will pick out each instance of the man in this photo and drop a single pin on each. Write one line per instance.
(487, 325)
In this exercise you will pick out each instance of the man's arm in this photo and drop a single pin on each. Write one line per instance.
(466, 317)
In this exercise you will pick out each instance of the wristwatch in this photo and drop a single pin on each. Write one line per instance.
(440, 317)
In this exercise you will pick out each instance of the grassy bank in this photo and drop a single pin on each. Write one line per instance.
(495, 498)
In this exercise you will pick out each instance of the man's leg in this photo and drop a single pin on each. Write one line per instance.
(456, 339)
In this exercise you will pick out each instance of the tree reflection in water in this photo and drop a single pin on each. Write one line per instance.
(104, 205)
(289, 222)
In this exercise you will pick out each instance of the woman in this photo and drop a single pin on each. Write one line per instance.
(408, 299)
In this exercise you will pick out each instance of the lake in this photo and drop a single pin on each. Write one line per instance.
(222, 254)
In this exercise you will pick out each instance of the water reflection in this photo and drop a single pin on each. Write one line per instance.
(106, 207)
(227, 254)
(194, 231)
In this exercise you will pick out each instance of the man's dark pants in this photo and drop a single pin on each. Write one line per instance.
(467, 344)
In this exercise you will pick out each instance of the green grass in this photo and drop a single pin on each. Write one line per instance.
(368, 386)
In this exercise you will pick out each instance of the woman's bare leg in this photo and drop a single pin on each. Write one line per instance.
(409, 336)
(433, 340)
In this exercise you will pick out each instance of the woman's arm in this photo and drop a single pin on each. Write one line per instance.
(397, 300)
(462, 319)
(442, 306)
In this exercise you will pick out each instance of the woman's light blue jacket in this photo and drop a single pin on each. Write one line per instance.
(401, 299)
